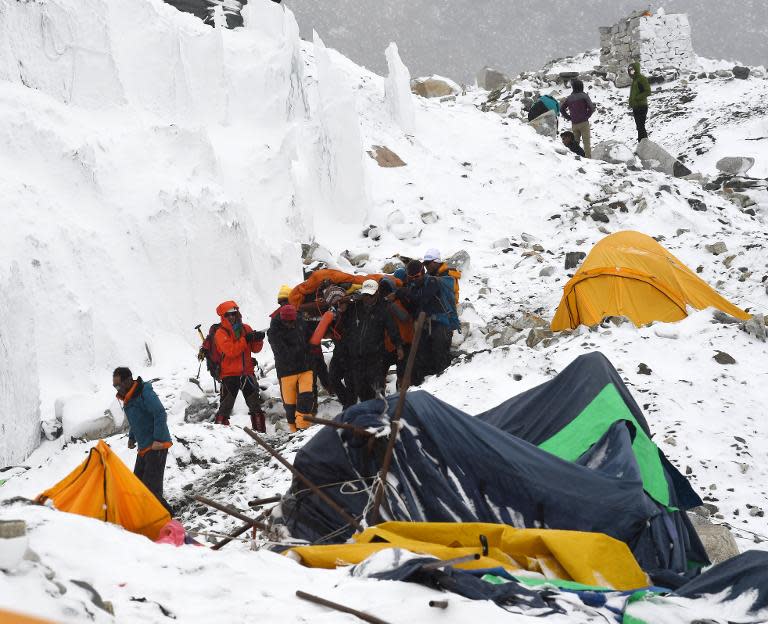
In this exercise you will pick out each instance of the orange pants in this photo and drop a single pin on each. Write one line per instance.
(296, 391)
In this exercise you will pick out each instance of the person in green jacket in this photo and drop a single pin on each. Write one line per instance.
(638, 99)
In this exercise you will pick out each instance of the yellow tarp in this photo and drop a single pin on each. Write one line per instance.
(11, 617)
(103, 487)
(630, 274)
(589, 558)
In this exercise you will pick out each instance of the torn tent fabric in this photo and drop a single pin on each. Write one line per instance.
(588, 558)
(103, 487)
(451, 467)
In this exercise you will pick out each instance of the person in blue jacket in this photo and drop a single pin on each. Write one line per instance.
(148, 425)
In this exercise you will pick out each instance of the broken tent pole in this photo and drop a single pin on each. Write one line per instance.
(394, 422)
(438, 604)
(232, 512)
(258, 502)
(338, 607)
(322, 495)
(436, 565)
(337, 425)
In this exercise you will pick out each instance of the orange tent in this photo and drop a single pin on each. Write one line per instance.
(103, 487)
(630, 274)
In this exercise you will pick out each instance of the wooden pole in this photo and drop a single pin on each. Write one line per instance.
(232, 512)
(258, 502)
(322, 495)
(359, 431)
(393, 425)
(338, 607)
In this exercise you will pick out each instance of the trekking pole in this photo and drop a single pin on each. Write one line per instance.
(243, 529)
(394, 422)
(322, 495)
(338, 607)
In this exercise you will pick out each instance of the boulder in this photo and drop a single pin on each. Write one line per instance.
(573, 259)
(13, 543)
(459, 260)
(735, 165)
(716, 539)
(392, 266)
(434, 87)
(716, 248)
(655, 157)
(742, 73)
(491, 79)
(537, 335)
(545, 124)
(385, 157)
(613, 151)
(429, 217)
(622, 80)
(547, 271)
(755, 327)
(528, 321)
(721, 357)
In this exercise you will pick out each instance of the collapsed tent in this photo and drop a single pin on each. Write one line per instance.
(629, 274)
(103, 487)
(590, 558)
(450, 467)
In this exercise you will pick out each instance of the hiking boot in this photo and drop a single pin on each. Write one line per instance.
(220, 420)
(301, 423)
(259, 422)
(292, 427)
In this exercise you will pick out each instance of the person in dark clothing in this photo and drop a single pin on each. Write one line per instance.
(577, 109)
(364, 326)
(288, 339)
(235, 341)
(570, 142)
(638, 99)
(544, 104)
(422, 294)
(148, 429)
(387, 291)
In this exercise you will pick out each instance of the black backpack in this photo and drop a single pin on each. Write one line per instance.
(211, 354)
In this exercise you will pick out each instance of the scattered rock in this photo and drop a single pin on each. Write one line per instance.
(742, 73)
(528, 321)
(460, 260)
(717, 539)
(502, 243)
(613, 151)
(697, 204)
(721, 357)
(528, 238)
(573, 259)
(434, 87)
(392, 266)
(13, 543)
(537, 335)
(599, 215)
(385, 157)
(655, 157)
(508, 336)
(643, 369)
(357, 260)
(199, 409)
(724, 73)
(755, 327)
(735, 165)
(429, 217)
(716, 248)
(671, 441)
(545, 124)
(547, 271)
(372, 231)
(491, 79)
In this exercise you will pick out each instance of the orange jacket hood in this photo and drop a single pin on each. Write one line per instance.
(222, 308)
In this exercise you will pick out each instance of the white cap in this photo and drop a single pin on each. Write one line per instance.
(432, 255)
(231, 310)
(370, 287)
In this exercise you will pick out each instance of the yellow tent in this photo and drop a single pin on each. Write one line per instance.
(103, 487)
(630, 274)
(588, 558)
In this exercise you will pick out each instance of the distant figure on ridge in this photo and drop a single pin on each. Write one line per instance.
(577, 109)
(570, 142)
(638, 99)
(148, 429)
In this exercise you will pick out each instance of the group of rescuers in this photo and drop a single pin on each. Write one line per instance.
(372, 329)
(578, 108)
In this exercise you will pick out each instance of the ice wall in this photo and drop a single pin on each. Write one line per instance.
(19, 387)
(397, 89)
(147, 174)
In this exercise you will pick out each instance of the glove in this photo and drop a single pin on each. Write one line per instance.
(254, 336)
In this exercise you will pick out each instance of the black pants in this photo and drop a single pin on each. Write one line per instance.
(434, 354)
(367, 377)
(150, 469)
(230, 386)
(640, 114)
(339, 376)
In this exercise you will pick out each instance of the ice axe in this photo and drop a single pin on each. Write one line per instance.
(200, 356)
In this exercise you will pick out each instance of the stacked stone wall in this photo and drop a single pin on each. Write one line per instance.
(657, 41)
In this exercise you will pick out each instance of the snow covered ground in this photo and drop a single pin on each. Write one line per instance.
(149, 174)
